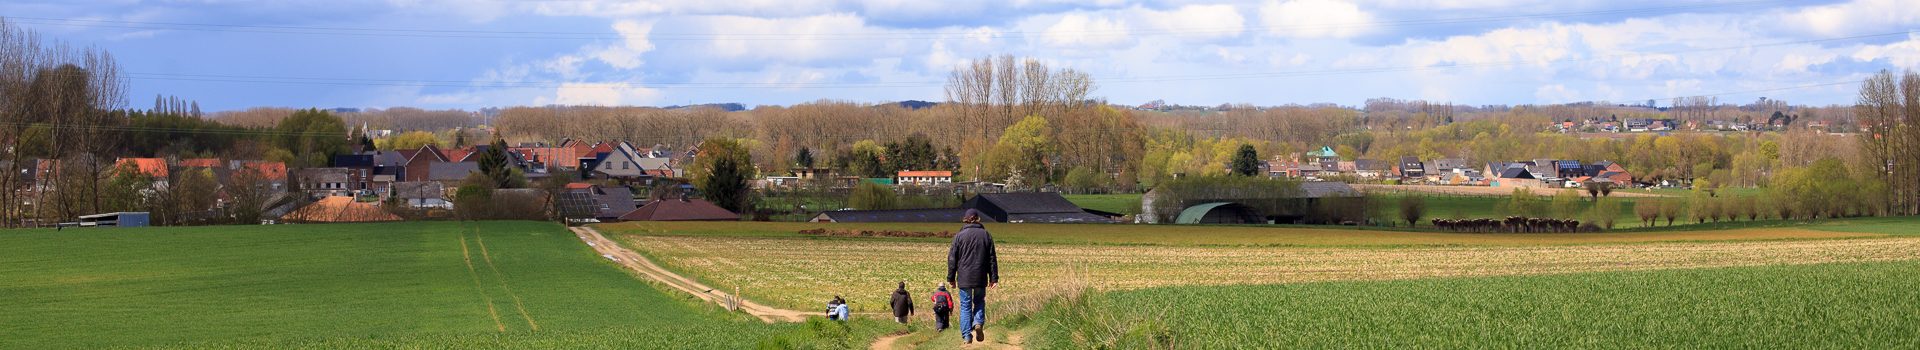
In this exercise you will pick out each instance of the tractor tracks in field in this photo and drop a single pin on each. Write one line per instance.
(466, 254)
(517, 304)
(500, 279)
(640, 264)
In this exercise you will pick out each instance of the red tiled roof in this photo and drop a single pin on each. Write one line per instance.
(268, 170)
(457, 154)
(603, 147)
(579, 186)
(680, 210)
(154, 167)
(926, 173)
(200, 163)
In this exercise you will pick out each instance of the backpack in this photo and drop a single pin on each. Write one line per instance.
(942, 301)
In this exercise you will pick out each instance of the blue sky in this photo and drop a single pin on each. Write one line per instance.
(480, 53)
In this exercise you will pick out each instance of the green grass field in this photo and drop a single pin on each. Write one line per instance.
(1854, 305)
(1125, 203)
(436, 285)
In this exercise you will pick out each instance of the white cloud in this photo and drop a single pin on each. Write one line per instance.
(1556, 93)
(1085, 31)
(1852, 18)
(1199, 22)
(1904, 54)
(1314, 19)
(599, 94)
(634, 43)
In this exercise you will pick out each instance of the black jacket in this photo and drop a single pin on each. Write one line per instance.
(971, 262)
(902, 303)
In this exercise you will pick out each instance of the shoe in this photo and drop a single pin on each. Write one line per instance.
(980, 334)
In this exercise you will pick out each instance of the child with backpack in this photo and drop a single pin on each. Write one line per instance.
(942, 307)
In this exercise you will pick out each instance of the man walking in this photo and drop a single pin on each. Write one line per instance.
(972, 268)
(902, 304)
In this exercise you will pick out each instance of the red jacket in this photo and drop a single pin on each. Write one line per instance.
(937, 296)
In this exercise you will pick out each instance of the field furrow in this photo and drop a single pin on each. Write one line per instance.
(806, 272)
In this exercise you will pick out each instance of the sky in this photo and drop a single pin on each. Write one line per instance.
(229, 54)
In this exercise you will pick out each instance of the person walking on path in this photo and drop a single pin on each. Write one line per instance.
(902, 304)
(942, 308)
(972, 267)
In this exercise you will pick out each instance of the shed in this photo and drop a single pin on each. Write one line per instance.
(1043, 207)
(949, 215)
(118, 219)
(1220, 213)
(680, 210)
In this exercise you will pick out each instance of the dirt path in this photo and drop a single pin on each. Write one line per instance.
(633, 261)
(886, 342)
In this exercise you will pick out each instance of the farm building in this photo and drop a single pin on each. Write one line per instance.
(120, 219)
(898, 215)
(609, 202)
(422, 194)
(682, 209)
(1043, 207)
(1260, 208)
(1031, 207)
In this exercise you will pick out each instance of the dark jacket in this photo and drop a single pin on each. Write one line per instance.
(971, 262)
(902, 303)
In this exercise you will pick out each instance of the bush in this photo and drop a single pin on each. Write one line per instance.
(1412, 209)
(872, 196)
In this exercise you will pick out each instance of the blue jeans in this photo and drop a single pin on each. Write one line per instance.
(973, 310)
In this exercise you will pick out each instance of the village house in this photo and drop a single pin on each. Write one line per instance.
(1411, 168)
(422, 195)
(925, 178)
(1326, 158)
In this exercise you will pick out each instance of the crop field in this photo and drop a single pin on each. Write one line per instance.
(1842, 306)
(437, 285)
(799, 272)
(1199, 235)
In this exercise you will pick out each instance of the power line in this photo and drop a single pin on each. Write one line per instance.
(922, 35)
(904, 84)
(838, 136)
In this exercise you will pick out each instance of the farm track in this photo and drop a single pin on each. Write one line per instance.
(640, 264)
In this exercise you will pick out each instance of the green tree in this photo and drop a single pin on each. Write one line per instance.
(412, 140)
(867, 159)
(1080, 180)
(1022, 151)
(1412, 209)
(804, 158)
(1604, 212)
(872, 196)
(1525, 204)
(1566, 204)
(313, 136)
(1246, 162)
(721, 173)
(498, 169)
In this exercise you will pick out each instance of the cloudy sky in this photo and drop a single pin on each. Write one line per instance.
(480, 53)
